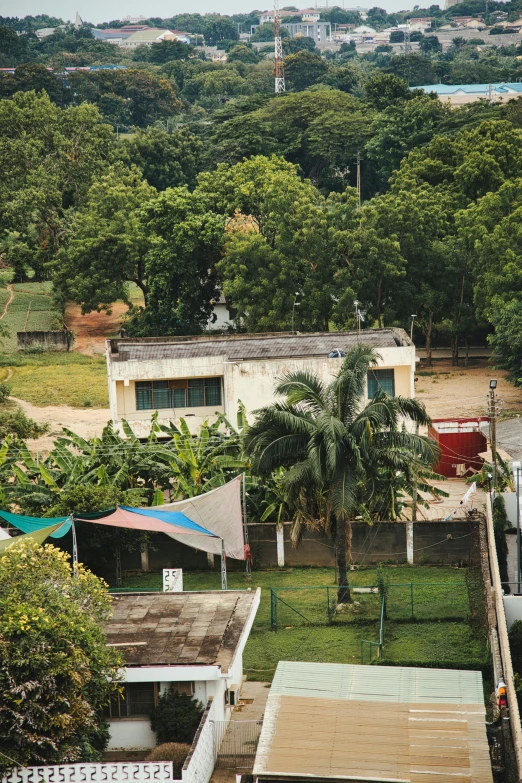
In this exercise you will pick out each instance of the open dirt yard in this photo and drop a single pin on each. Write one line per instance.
(462, 391)
(91, 330)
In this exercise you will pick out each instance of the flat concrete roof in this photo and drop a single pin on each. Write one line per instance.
(374, 723)
(161, 629)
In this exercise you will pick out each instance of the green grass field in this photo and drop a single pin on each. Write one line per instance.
(57, 379)
(451, 640)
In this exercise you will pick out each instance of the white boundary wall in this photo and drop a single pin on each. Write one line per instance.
(200, 762)
(114, 772)
(496, 588)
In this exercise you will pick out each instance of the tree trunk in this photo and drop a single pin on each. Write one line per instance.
(428, 333)
(343, 592)
(455, 350)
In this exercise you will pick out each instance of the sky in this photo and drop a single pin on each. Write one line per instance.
(97, 11)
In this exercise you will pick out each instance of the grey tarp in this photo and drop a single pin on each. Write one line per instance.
(220, 512)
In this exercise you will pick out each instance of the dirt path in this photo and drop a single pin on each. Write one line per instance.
(93, 329)
(86, 422)
(10, 288)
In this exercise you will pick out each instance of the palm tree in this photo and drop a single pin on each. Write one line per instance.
(333, 445)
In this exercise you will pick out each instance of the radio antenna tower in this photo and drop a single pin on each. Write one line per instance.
(279, 68)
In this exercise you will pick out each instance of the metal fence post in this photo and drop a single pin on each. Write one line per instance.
(411, 591)
(328, 605)
(273, 609)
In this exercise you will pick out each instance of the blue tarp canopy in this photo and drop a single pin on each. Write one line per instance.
(32, 524)
(177, 518)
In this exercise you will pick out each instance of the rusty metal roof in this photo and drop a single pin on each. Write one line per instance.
(159, 629)
(253, 346)
(373, 723)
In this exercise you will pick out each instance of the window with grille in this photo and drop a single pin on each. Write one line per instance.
(136, 700)
(381, 380)
(183, 393)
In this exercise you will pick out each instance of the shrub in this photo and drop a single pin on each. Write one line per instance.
(500, 522)
(13, 421)
(5, 391)
(176, 752)
(515, 645)
(176, 718)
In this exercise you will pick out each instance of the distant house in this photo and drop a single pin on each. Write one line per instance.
(318, 31)
(419, 24)
(460, 94)
(194, 641)
(470, 22)
(364, 30)
(147, 38)
(330, 722)
(199, 377)
(308, 15)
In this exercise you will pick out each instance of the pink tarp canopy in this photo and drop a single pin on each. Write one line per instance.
(130, 520)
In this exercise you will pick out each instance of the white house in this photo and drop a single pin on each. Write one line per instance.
(200, 377)
(193, 640)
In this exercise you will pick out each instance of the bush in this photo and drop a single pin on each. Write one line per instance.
(5, 391)
(13, 421)
(515, 645)
(176, 752)
(176, 718)
(500, 523)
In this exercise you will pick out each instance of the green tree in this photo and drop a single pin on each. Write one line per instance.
(303, 69)
(506, 340)
(293, 45)
(163, 52)
(13, 47)
(108, 244)
(332, 444)
(56, 672)
(167, 160)
(413, 68)
(384, 89)
(186, 239)
(48, 159)
(241, 53)
(430, 44)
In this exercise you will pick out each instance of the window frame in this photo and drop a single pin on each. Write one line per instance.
(375, 377)
(145, 393)
(119, 707)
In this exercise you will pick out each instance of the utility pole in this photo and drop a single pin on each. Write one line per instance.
(492, 410)
(359, 176)
(279, 68)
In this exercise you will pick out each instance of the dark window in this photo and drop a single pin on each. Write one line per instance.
(382, 380)
(136, 699)
(192, 393)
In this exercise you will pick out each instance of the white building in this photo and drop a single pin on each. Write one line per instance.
(199, 377)
(192, 640)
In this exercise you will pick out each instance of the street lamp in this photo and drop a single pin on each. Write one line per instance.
(493, 383)
(296, 304)
(413, 317)
(515, 466)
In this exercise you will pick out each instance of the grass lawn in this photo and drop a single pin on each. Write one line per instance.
(427, 641)
(57, 379)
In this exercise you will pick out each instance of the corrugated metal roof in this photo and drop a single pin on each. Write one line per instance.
(374, 723)
(483, 89)
(262, 346)
(377, 683)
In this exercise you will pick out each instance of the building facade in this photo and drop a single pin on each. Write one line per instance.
(198, 378)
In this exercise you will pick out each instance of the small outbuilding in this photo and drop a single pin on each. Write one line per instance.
(191, 640)
(399, 724)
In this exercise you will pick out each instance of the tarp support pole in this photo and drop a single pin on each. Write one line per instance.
(248, 563)
(223, 566)
(74, 547)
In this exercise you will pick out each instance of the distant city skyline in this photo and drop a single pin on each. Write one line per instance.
(97, 11)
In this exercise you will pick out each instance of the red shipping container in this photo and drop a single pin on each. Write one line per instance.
(460, 441)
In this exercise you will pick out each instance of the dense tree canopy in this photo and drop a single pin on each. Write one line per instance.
(56, 672)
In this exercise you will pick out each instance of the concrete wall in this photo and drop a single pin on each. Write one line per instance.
(59, 340)
(252, 382)
(433, 542)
